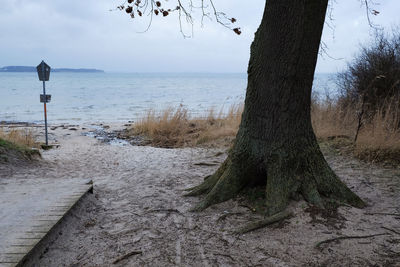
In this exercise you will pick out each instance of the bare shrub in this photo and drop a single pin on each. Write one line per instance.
(372, 80)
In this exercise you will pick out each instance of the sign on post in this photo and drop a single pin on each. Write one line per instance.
(43, 71)
(45, 98)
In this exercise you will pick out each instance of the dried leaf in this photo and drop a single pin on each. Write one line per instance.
(237, 31)
(129, 9)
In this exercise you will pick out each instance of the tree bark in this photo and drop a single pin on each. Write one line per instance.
(275, 144)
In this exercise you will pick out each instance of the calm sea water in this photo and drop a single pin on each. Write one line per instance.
(117, 97)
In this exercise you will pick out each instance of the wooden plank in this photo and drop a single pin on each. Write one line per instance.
(30, 210)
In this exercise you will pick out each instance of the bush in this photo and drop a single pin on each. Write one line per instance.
(371, 83)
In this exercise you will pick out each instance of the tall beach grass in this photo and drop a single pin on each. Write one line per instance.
(23, 138)
(175, 127)
(378, 139)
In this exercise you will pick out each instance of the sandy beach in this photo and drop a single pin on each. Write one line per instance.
(137, 210)
(116, 116)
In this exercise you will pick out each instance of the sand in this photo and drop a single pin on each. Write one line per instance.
(137, 208)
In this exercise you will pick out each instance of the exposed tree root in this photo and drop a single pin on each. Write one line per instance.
(329, 185)
(383, 213)
(225, 255)
(163, 210)
(318, 245)
(223, 216)
(286, 176)
(391, 230)
(132, 253)
(281, 185)
(264, 222)
(204, 187)
(206, 164)
(312, 196)
(209, 181)
(229, 180)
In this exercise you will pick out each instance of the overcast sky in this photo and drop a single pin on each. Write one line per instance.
(86, 34)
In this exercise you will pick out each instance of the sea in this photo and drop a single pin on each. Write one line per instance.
(81, 98)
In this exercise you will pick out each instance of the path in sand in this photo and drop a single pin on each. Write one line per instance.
(138, 206)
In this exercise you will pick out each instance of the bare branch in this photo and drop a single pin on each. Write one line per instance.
(323, 51)
(139, 8)
(370, 11)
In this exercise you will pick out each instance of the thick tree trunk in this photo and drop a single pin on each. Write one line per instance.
(275, 144)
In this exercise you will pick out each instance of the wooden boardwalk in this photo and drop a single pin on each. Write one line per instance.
(29, 209)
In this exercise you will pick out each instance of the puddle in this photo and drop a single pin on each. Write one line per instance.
(113, 137)
(119, 142)
(102, 135)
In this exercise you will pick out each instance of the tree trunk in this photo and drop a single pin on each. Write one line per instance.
(275, 144)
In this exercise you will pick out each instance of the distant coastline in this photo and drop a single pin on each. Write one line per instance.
(33, 69)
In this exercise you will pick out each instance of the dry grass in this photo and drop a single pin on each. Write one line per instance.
(177, 128)
(17, 146)
(378, 139)
(22, 138)
(329, 120)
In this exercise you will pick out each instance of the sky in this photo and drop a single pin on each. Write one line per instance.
(86, 34)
